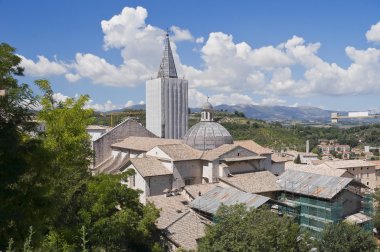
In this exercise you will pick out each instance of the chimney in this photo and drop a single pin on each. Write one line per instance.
(307, 146)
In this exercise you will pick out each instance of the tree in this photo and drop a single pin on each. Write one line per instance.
(66, 139)
(346, 238)
(24, 178)
(112, 215)
(298, 159)
(237, 229)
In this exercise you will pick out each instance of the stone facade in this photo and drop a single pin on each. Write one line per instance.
(102, 146)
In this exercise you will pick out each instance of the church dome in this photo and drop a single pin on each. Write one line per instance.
(207, 106)
(207, 136)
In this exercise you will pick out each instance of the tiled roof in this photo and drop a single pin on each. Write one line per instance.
(149, 167)
(210, 201)
(194, 190)
(253, 182)
(345, 164)
(278, 158)
(312, 184)
(144, 143)
(180, 152)
(97, 127)
(253, 146)
(178, 222)
(216, 153)
(321, 169)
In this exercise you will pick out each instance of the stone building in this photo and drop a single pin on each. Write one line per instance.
(167, 99)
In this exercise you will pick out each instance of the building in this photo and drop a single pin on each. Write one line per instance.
(317, 200)
(167, 99)
(207, 134)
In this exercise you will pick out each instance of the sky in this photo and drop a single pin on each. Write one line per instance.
(294, 53)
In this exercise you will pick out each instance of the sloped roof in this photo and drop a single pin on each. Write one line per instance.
(167, 66)
(253, 146)
(194, 190)
(178, 222)
(312, 184)
(321, 169)
(144, 143)
(253, 182)
(149, 167)
(277, 158)
(345, 164)
(211, 201)
(211, 155)
(180, 152)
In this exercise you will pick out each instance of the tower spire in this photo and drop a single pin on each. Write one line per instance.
(167, 66)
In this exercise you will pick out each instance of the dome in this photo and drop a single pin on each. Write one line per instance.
(207, 106)
(207, 136)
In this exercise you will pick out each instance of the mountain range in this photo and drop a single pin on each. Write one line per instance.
(269, 113)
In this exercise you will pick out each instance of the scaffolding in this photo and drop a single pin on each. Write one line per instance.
(311, 214)
(367, 204)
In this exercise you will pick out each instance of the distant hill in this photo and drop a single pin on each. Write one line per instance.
(267, 113)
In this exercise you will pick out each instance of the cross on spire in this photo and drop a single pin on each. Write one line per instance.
(167, 66)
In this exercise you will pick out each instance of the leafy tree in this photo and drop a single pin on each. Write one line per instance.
(114, 218)
(24, 178)
(345, 237)
(237, 229)
(66, 139)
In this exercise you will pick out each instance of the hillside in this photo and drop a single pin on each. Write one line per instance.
(268, 113)
(271, 134)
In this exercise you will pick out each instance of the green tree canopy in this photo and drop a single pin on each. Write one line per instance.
(237, 229)
(344, 237)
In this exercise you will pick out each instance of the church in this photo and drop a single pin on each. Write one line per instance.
(168, 156)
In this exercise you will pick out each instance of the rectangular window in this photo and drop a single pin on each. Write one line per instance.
(132, 182)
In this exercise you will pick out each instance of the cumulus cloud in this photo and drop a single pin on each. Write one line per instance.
(42, 67)
(129, 103)
(200, 40)
(272, 100)
(229, 68)
(373, 34)
(107, 106)
(59, 97)
(181, 34)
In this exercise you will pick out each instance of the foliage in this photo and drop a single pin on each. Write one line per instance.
(114, 218)
(345, 237)
(66, 139)
(25, 194)
(237, 229)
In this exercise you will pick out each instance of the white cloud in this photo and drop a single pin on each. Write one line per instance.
(72, 77)
(181, 34)
(141, 103)
(373, 34)
(107, 106)
(42, 67)
(129, 103)
(59, 97)
(200, 40)
(272, 100)
(197, 99)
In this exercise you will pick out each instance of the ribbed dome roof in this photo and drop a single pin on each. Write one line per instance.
(207, 136)
(207, 106)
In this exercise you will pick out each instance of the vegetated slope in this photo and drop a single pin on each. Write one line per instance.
(270, 134)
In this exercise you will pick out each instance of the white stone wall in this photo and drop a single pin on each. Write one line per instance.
(187, 169)
(140, 184)
(167, 107)
(158, 184)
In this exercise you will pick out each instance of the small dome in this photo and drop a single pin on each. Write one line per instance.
(207, 136)
(207, 106)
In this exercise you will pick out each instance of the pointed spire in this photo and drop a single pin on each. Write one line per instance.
(167, 66)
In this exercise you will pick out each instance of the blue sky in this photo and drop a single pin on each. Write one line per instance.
(293, 53)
